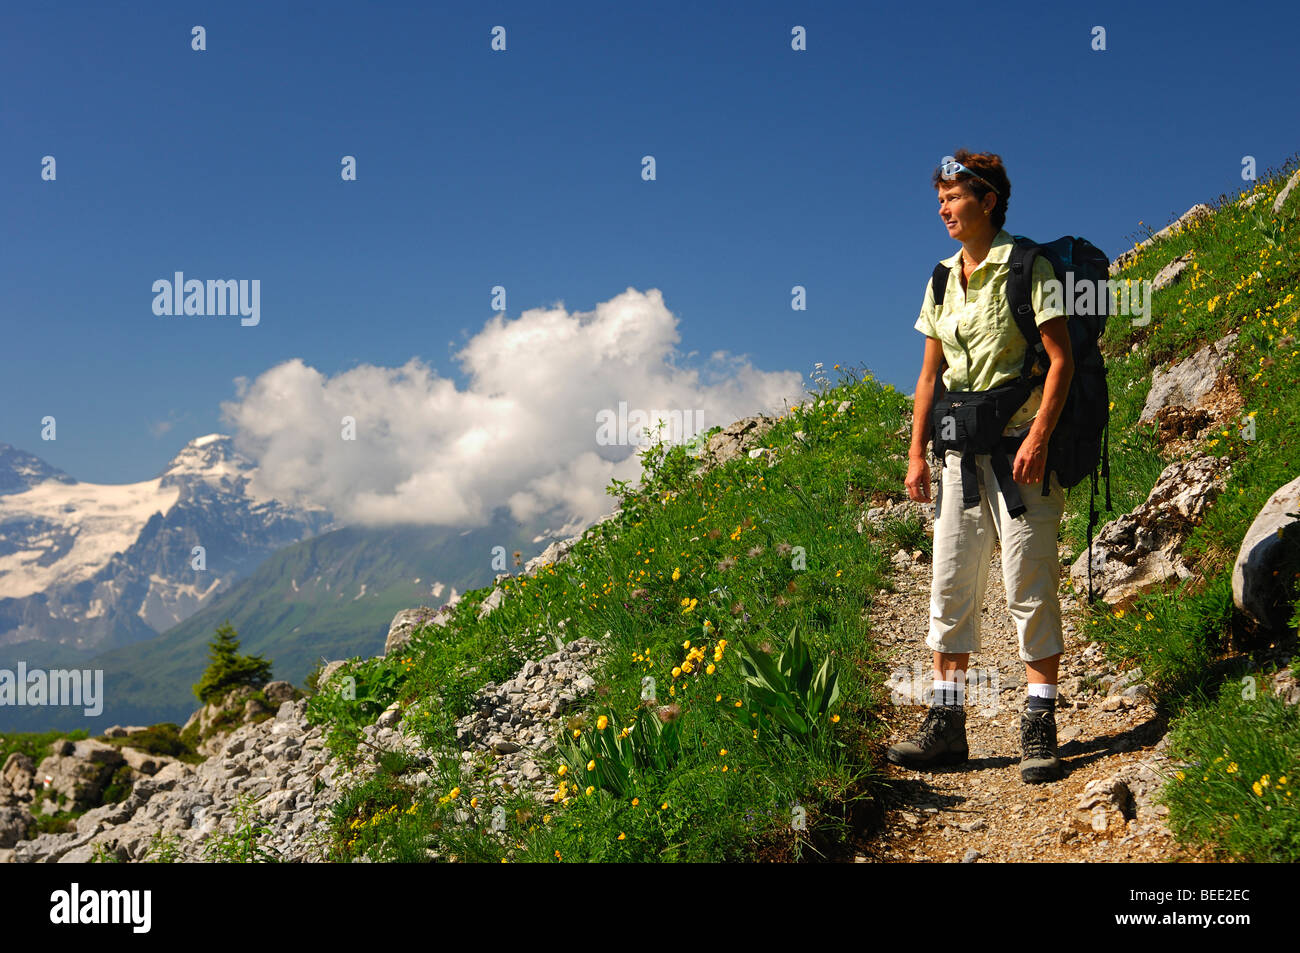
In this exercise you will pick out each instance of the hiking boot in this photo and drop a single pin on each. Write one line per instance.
(941, 740)
(1038, 760)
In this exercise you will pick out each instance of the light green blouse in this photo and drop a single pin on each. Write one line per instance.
(981, 342)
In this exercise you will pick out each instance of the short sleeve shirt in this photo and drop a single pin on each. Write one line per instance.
(981, 342)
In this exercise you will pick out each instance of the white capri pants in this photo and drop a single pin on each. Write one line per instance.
(963, 547)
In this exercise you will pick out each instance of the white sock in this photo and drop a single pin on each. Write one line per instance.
(1040, 690)
(947, 693)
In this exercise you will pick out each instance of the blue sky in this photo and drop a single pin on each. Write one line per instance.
(522, 168)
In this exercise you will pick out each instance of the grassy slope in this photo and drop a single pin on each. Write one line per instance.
(753, 551)
(1188, 639)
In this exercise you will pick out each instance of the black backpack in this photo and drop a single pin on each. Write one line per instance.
(1081, 438)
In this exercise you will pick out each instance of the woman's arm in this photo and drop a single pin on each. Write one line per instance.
(932, 365)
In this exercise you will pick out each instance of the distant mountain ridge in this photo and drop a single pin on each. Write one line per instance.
(20, 470)
(331, 596)
(85, 567)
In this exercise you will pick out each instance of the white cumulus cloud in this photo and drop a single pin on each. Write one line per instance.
(524, 433)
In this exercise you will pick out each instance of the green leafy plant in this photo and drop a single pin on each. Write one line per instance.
(791, 697)
(163, 849)
(161, 739)
(1272, 227)
(622, 758)
(244, 844)
(358, 694)
(228, 669)
(353, 699)
(101, 853)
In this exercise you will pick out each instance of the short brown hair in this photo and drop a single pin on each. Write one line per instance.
(989, 165)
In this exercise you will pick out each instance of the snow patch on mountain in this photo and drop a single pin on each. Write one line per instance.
(95, 564)
(71, 530)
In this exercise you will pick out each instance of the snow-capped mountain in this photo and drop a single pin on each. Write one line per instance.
(20, 470)
(91, 566)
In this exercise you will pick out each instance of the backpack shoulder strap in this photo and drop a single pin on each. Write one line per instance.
(939, 284)
(1023, 256)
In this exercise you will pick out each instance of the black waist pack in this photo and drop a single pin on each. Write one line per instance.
(971, 422)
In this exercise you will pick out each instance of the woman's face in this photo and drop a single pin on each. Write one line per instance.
(962, 213)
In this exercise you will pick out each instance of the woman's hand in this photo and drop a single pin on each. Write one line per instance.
(1031, 458)
(918, 480)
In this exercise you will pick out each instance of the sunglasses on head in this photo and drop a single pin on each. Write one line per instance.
(949, 168)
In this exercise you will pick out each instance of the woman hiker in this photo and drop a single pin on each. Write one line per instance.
(974, 336)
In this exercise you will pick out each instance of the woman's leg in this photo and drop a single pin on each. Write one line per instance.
(1031, 571)
(1043, 671)
(963, 547)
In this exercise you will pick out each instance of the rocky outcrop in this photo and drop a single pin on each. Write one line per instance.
(1171, 272)
(279, 692)
(733, 441)
(1286, 687)
(15, 824)
(76, 773)
(142, 762)
(494, 598)
(1186, 383)
(273, 764)
(239, 706)
(280, 770)
(17, 779)
(408, 621)
(1286, 191)
(1140, 550)
(1127, 800)
(1263, 583)
(517, 722)
(1187, 218)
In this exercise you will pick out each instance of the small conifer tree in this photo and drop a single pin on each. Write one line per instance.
(228, 669)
